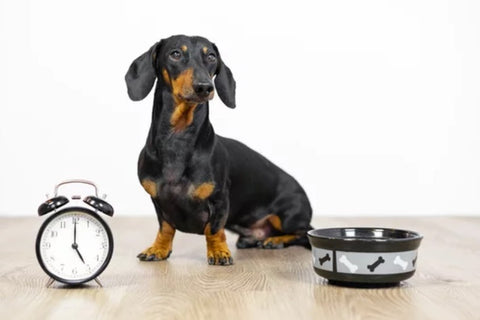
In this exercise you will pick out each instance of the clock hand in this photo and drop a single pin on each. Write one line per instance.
(75, 247)
(75, 232)
(81, 258)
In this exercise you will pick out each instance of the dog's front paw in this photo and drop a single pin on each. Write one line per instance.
(217, 248)
(161, 247)
(221, 257)
(154, 253)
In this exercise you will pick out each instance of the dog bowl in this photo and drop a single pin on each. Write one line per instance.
(364, 256)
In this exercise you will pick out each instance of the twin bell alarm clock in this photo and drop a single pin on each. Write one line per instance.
(74, 244)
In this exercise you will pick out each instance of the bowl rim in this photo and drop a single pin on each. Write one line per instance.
(412, 235)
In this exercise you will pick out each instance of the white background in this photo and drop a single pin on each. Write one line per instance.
(374, 106)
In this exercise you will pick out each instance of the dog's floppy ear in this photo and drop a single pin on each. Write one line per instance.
(141, 75)
(224, 82)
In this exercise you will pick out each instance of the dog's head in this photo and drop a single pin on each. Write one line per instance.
(186, 67)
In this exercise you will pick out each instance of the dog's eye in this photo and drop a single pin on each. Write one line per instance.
(211, 58)
(175, 55)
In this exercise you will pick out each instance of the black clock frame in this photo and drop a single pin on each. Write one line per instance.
(64, 211)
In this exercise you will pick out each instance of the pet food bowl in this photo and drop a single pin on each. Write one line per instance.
(362, 257)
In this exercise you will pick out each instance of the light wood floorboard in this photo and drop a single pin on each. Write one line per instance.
(262, 284)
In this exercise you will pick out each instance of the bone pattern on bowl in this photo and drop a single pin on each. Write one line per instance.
(365, 262)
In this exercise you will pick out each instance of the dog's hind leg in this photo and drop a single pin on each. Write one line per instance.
(247, 237)
(282, 240)
(290, 220)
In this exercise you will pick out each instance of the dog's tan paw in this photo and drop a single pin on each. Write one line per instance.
(217, 248)
(161, 247)
(221, 257)
(154, 253)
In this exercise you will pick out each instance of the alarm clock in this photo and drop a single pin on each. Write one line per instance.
(74, 245)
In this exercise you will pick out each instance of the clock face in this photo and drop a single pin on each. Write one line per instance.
(74, 245)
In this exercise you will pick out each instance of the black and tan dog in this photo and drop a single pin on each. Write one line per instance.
(200, 182)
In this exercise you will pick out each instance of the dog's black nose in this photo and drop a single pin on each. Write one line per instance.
(203, 89)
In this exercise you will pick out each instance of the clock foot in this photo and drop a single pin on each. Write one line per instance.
(98, 282)
(50, 282)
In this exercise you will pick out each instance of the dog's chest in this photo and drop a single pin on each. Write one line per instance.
(182, 190)
(184, 204)
(174, 173)
(181, 182)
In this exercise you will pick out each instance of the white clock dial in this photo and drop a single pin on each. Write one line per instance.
(74, 246)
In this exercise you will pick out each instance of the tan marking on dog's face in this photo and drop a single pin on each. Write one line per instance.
(150, 186)
(217, 248)
(182, 116)
(204, 190)
(184, 48)
(205, 50)
(182, 86)
(166, 76)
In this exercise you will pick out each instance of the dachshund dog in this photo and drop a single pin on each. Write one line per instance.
(201, 182)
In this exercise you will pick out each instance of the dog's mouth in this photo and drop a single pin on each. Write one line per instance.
(195, 98)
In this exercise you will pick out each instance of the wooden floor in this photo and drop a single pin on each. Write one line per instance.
(262, 284)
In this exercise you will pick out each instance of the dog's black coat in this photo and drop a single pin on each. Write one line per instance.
(247, 186)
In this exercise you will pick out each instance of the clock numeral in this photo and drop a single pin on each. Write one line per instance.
(74, 271)
(53, 234)
(47, 245)
(98, 232)
(75, 219)
(104, 245)
(52, 258)
(88, 224)
(63, 224)
(62, 266)
(98, 257)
